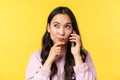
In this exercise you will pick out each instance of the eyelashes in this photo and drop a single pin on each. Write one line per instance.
(66, 26)
(56, 25)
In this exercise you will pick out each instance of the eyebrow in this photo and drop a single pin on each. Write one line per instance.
(56, 22)
(65, 23)
(69, 23)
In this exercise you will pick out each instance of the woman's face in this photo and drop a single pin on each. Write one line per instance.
(60, 28)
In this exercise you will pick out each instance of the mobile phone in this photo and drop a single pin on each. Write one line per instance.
(73, 43)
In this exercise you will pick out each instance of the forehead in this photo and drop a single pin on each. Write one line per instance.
(61, 18)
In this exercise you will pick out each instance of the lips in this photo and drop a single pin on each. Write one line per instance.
(60, 39)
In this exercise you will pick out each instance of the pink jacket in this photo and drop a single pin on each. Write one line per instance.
(35, 71)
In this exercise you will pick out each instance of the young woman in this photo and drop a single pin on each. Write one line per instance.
(62, 56)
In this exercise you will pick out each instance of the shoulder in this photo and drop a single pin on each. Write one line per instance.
(36, 53)
(36, 56)
(88, 58)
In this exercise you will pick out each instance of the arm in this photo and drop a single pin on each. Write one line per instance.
(85, 71)
(35, 70)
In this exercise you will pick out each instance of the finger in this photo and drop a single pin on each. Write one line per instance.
(74, 38)
(56, 43)
(75, 35)
(59, 44)
(74, 41)
(58, 49)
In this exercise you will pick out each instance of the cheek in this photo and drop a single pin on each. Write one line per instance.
(52, 35)
(68, 35)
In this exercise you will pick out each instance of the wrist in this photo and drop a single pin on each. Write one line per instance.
(47, 64)
(78, 60)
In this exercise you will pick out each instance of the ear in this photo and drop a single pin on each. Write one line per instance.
(48, 28)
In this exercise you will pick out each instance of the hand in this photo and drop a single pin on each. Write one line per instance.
(75, 44)
(56, 50)
(54, 54)
(75, 48)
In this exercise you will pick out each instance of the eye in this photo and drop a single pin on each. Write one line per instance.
(68, 26)
(56, 25)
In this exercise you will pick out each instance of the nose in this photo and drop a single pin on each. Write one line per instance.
(61, 32)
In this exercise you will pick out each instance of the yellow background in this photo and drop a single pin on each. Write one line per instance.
(23, 23)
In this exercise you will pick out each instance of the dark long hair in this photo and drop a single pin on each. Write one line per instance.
(47, 43)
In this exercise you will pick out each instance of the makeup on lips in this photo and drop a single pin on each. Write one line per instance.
(60, 39)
